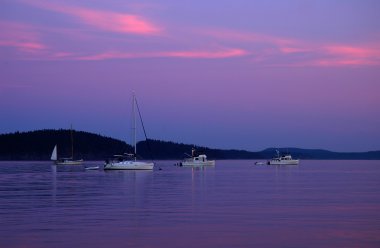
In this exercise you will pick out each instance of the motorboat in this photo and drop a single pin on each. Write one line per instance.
(197, 160)
(283, 160)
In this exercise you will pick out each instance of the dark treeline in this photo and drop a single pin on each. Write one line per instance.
(38, 145)
(322, 154)
(170, 150)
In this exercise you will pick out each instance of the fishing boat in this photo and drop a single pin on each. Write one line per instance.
(197, 160)
(283, 160)
(129, 161)
(65, 161)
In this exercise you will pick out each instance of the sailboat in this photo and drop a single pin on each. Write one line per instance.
(66, 161)
(129, 161)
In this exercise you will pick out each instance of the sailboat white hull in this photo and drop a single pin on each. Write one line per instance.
(129, 165)
(283, 162)
(198, 163)
(126, 161)
(69, 162)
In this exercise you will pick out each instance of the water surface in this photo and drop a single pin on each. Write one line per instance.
(234, 204)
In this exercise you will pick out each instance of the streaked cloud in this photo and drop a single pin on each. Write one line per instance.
(352, 51)
(284, 51)
(20, 36)
(247, 37)
(226, 53)
(212, 54)
(105, 20)
(352, 55)
(178, 41)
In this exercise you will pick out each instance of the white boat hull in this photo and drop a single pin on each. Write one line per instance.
(92, 168)
(284, 162)
(69, 162)
(129, 165)
(198, 164)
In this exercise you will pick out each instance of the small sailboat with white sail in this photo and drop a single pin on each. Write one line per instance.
(65, 161)
(129, 161)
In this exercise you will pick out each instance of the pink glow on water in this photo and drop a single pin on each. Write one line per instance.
(235, 204)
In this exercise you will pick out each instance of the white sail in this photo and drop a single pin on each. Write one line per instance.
(54, 153)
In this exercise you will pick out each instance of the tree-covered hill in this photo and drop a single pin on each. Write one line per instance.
(322, 154)
(170, 150)
(38, 145)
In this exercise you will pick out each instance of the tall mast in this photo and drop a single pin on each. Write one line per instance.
(72, 142)
(134, 124)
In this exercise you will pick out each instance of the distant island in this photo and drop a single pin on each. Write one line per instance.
(38, 145)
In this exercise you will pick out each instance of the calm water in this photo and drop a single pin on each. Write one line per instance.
(234, 204)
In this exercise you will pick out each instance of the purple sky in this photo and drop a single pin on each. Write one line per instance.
(246, 74)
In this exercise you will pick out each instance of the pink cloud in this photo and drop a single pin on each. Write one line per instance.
(345, 55)
(270, 50)
(20, 36)
(223, 53)
(359, 52)
(105, 20)
(250, 37)
(262, 44)
(289, 50)
(26, 46)
(206, 54)
(107, 55)
(342, 62)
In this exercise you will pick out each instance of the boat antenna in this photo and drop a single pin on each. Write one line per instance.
(142, 123)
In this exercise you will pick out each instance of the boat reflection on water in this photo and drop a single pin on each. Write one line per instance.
(232, 205)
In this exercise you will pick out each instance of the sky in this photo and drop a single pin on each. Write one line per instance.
(242, 74)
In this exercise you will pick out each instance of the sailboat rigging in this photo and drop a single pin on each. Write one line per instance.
(66, 161)
(129, 161)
